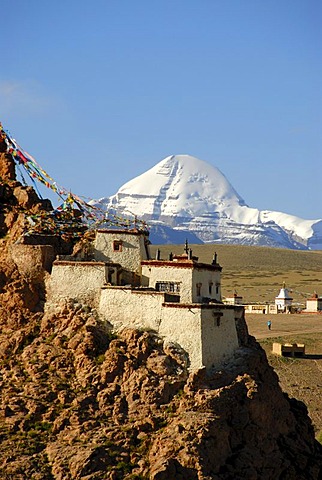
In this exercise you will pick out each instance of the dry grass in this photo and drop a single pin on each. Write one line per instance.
(258, 273)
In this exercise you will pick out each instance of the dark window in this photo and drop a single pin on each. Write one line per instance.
(198, 289)
(168, 287)
(117, 245)
(210, 288)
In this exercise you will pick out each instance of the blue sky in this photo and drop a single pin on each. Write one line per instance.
(98, 92)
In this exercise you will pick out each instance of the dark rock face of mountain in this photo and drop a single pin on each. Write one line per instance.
(162, 234)
(77, 402)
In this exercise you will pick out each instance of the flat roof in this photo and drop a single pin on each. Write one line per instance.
(84, 263)
(182, 264)
(126, 231)
(203, 306)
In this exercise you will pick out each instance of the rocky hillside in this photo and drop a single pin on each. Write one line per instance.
(77, 402)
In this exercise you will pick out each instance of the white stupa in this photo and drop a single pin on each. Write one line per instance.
(283, 301)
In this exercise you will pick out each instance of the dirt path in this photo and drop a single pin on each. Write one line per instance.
(283, 324)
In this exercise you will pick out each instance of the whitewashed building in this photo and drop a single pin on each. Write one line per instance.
(314, 304)
(178, 297)
(261, 308)
(233, 300)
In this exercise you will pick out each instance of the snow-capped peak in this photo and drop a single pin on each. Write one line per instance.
(180, 185)
(188, 194)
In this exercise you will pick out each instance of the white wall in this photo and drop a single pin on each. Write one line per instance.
(129, 256)
(164, 273)
(282, 303)
(197, 331)
(183, 326)
(256, 308)
(188, 275)
(78, 280)
(313, 305)
(218, 336)
(204, 277)
(193, 327)
(129, 308)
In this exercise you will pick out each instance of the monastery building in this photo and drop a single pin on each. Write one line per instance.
(178, 297)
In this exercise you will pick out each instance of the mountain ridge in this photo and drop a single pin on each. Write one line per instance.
(186, 194)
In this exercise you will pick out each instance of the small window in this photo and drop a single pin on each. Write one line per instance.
(210, 288)
(117, 245)
(217, 288)
(199, 289)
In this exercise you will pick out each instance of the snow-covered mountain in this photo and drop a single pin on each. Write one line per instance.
(185, 195)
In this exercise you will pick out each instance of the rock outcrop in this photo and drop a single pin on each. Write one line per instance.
(77, 402)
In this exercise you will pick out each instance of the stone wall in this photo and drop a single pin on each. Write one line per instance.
(32, 260)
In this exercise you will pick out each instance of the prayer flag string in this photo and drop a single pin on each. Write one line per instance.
(74, 216)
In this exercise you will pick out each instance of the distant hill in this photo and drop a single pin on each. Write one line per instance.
(186, 194)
